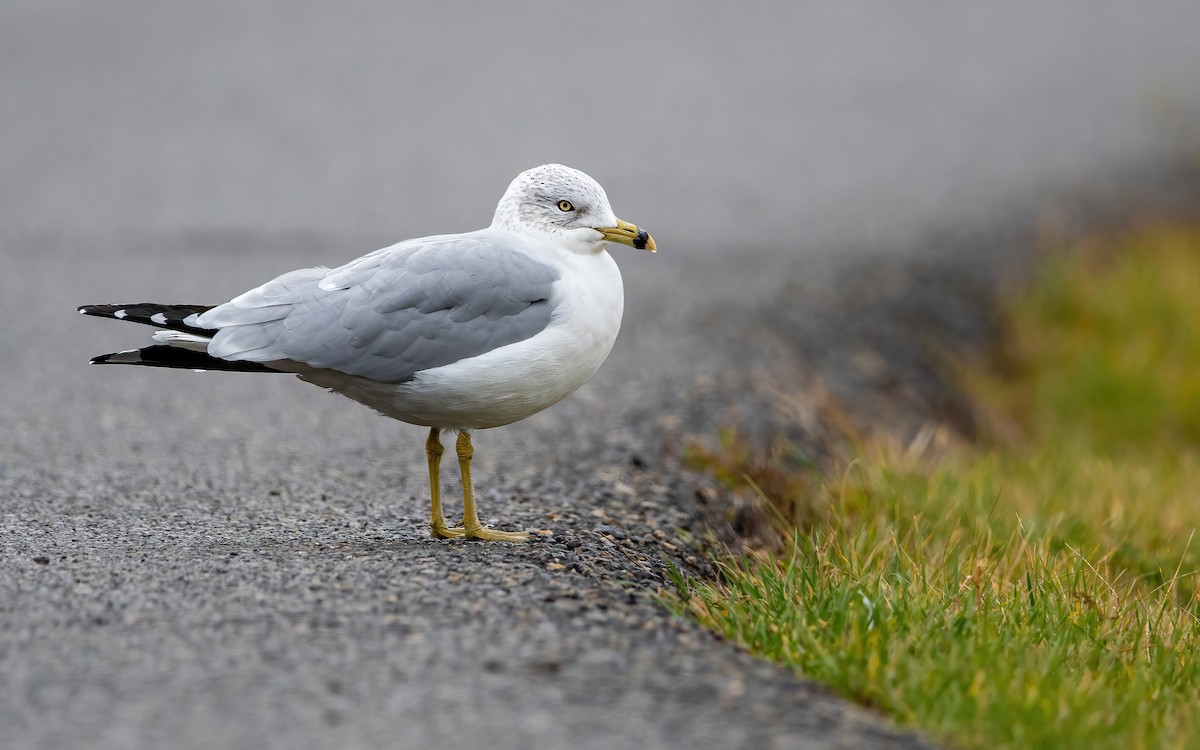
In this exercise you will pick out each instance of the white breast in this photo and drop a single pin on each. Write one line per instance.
(515, 381)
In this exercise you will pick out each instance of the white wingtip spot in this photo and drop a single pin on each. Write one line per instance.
(81, 311)
(120, 314)
(158, 318)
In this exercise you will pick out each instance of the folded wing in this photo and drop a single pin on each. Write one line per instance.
(391, 314)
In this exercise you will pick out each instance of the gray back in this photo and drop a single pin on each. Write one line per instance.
(418, 305)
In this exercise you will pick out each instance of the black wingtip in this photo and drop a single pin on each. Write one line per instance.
(101, 311)
(130, 357)
(164, 355)
(171, 317)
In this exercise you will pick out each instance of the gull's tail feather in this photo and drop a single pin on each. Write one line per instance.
(172, 317)
(182, 345)
(164, 355)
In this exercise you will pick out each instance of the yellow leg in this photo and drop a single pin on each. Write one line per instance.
(472, 529)
(437, 521)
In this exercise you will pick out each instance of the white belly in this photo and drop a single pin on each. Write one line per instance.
(515, 381)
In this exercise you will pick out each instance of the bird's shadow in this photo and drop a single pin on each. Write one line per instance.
(409, 543)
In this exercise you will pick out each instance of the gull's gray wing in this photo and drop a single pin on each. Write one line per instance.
(388, 315)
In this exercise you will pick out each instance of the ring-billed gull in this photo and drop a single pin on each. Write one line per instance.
(451, 332)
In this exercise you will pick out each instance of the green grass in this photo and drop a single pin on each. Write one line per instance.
(1037, 593)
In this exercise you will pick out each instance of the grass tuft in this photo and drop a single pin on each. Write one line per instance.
(1039, 593)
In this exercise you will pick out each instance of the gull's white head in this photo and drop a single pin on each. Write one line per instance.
(567, 204)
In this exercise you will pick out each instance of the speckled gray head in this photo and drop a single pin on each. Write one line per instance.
(566, 203)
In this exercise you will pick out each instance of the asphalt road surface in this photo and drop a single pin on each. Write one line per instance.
(229, 560)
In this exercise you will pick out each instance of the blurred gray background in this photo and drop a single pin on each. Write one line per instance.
(240, 560)
(718, 125)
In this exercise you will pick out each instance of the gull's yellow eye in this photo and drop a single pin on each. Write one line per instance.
(565, 206)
